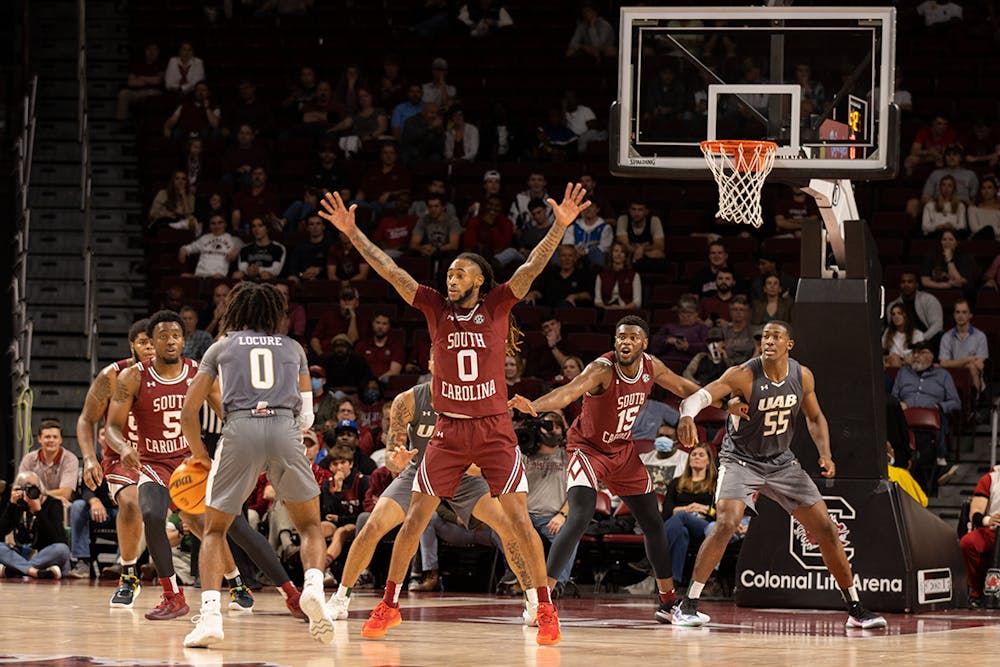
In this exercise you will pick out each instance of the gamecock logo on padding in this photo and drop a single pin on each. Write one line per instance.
(805, 548)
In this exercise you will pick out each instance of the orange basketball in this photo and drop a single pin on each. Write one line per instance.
(187, 487)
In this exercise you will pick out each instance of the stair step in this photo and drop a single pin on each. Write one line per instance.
(61, 130)
(110, 175)
(56, 370)
(52, 346)
(102, 88)
(60, 320)
(51, 89)
(45, 267)
(57, 68)
(67, 292)
(119, 220)
(57, 151)
(115, 197)
(99, 70)
(49, 173)
(60, 396)
(54, 197)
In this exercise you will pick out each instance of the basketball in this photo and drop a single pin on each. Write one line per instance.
(187, 487)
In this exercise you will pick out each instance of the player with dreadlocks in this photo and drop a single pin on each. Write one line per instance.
(470, 330)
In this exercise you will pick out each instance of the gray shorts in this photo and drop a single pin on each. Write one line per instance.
(470, 489)
(782, 479)
(250, 445)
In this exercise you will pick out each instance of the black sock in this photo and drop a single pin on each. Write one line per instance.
(235, 582)
(128, 570)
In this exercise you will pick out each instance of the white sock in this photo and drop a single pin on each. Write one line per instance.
(314, 577)
(532, 595)
(210, 599)
(343, 592)
(232, 575)
(852, 594)
(694, 592)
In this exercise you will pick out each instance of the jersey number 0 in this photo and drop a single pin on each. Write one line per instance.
(261, 368)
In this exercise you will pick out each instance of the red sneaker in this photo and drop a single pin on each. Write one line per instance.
(171, 606)
(292, 602)
(382, 618)
(548, 625)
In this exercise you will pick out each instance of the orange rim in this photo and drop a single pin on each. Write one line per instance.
(746, 147)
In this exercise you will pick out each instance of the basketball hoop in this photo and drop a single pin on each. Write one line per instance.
(740, 168)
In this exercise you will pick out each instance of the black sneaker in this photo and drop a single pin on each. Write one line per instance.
(643, 566)
(128, 591)
(859, 617)
(240, 598)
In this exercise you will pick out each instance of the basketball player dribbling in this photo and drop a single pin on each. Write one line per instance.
(614, 387)
(756, 457)
(267, 402)
(122, 481)
(470, 337)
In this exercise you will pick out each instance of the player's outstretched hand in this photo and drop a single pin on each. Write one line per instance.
(687, 432)
(401, 456)
(572, 204)
(827, 468)
(337, 213)
(522, 404)
(737, 406)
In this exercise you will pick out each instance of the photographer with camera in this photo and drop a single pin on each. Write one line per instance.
(542, 441)
(54, 465)
(709, 366)
(36, 519)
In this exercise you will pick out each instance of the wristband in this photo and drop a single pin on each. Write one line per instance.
(980, 519)
(561, 513)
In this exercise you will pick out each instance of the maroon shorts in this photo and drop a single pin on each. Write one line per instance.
(621, 471)
(117, 475)
(489, 442)
(159, 469)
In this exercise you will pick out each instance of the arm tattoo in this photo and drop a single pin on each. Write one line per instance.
(102, 389)
(400, 415)
(385, 266)
(521, 281)
(122, 392)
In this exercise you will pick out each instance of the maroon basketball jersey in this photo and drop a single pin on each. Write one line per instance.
(469, 346)
(157, 411)
(129, 431)
(606, 420)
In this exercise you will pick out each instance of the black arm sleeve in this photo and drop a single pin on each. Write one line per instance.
(669, 500)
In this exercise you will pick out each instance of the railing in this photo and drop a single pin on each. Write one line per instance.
(20, 347)
(86, 187)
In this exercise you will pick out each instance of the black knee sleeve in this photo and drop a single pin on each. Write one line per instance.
(258, 549)
(647, 515)
(154, 500)
(582, 502)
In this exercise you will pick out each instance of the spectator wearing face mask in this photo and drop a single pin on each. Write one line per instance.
(325, 402)
(666, 461)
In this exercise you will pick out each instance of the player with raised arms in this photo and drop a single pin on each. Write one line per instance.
(471, 334)
(122, 481)
(757, 457)
(614, 387)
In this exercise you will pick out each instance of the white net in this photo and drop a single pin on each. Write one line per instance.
(740, 169)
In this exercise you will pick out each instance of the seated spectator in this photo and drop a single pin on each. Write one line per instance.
(423, 135)
(364, 443)
(571, 367)
(593, 37)
(250, 110)
(923, 308)
(582, 121)
(368, 123)
(688, 507)
(145, 80)
(211, 316)
(205, 208)
(184, 71)
(446, 526)
(341, 319)
(666, 102)
(937, 13)
(791, 211)
(709, 366)
(929, 145)
(263, 259)
(92, 509)
(546, 359)
(484, 17)
(992, 276)
(325, 403)
(196, 340)
(982, 146)
(564, 285)
(813, 97)
(715, 305)
(344, 262)
(619, 286)
(665, 462)
(346, 372)
(392, 85)
(197, 115)
(947, 267)
(965, 346)
(35, 518)
(295, 216)
(923, 385)
(302, 91)
(216, 250)
(966, 181)
(438, 91)
(57, 468)
(537, 228)
(774, 305)
(434, 186)
(556, 142)
(326, 174)
(341, 499)
(984, 215)
(899, 338)
(643, 233)
(899, 475)
(520, 209)
(308, 258)
(436, 234)
(596, 195)
(241, 157)
(403, 111)
(591, 235)
(257, 201)
(260, 500)
(513, 371)
(347, 92)
(174, 206)
(703, 282)
(491, 234)
(395, 229)
(370, 409)
(491, 186)
(383, 354)
(654, 418)
(381, 186)
(193, 162)
(461, 139)
(766, 265)
(317, 117)
(979, 543)
(678, 342)
(295, 320)
(737, 332)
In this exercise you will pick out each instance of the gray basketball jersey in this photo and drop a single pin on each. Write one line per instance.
(256, 370)
(421, 428)
(774, 407)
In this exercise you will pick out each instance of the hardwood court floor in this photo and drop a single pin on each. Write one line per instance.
(69, 623)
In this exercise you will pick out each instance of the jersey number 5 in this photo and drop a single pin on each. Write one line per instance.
(776, 422)
(261, 368)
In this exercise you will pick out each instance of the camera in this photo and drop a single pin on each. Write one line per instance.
(31, 492)
(533, 432)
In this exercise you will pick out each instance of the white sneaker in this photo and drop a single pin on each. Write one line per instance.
(320, 623)
(208, 628)
(336, 607)
(530, 613)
